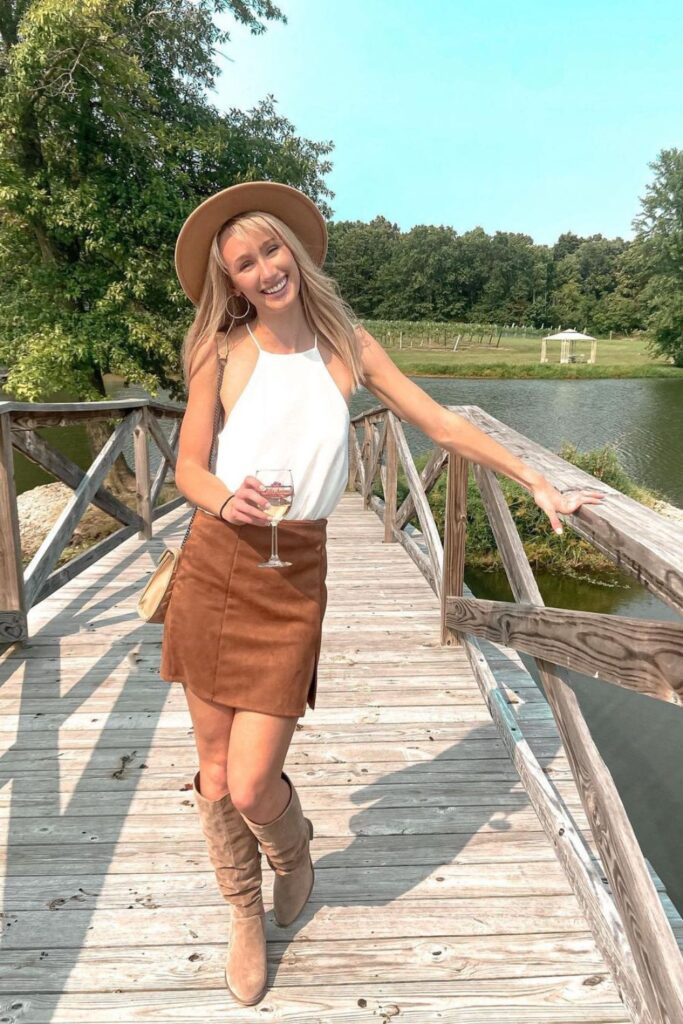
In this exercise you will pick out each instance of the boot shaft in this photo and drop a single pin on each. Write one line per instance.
(233, 851)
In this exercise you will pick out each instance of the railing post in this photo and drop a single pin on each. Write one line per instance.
(391, 477)
(455, 525)
(353, 466)
(13, 624)
(367, 459)
(142, 474)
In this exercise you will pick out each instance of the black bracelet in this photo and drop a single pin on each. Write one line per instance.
(220, 511)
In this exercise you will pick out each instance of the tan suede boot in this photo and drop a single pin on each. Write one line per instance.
(236, 859)
(285, 842)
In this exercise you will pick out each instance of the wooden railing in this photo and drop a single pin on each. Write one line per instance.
(629, 923)
(19, 421)
(627, 920)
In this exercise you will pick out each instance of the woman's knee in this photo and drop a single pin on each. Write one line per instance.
(213, 778)
(248, 789)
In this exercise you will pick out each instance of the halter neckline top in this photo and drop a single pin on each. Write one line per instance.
(265, 351)
(289, 415)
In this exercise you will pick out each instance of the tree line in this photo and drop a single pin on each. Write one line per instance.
(434, 273)
(594, 283)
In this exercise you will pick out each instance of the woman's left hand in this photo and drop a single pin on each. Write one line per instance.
(553, 501)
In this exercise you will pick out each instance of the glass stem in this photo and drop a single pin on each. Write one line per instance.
(273, 544)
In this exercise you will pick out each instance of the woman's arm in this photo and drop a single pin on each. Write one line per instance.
(455, 433)
(192, 475)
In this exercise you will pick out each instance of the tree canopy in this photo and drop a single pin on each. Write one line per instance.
(657, 258)
(107, 142)
(434, 273)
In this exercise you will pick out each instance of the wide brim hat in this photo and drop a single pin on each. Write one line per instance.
(288, 203)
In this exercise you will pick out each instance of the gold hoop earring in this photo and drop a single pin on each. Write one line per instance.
(237, 316)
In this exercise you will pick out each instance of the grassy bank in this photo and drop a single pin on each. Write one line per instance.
(416, 367)
(519, 357)
(565, 553)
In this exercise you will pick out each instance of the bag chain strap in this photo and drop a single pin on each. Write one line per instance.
(216, 418)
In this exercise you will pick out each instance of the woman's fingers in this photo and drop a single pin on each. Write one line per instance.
(252, 508)
(259, 503)
(574, 499)
(554, 521)
(553, 501)
(252, 501)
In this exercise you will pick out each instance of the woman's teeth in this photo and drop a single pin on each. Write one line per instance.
(278, 288)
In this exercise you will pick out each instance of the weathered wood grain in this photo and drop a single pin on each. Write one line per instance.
(455, 518)
(644, 655)
(424, 512)
(424, 832)
(35, 448)
(49, 551)
(429, 475)
(13, 600)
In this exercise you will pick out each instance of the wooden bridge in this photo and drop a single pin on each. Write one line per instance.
(474, 861)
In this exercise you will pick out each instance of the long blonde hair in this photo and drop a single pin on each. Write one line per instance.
(326, 311)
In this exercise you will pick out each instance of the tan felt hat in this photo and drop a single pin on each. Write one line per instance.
(289, 204)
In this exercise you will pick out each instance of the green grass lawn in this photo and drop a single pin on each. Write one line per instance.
(519, 357)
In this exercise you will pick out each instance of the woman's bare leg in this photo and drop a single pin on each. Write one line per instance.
(256, 755)
(243, 753)
(212, 727)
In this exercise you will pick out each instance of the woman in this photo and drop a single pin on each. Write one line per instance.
(243, 640)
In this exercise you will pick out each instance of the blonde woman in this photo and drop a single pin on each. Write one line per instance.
(244, 640)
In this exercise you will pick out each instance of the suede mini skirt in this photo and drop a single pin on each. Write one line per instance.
(244, 636)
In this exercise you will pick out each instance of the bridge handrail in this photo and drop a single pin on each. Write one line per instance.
(19, 421)
(629, 923)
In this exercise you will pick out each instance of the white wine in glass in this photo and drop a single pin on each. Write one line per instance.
(279, 490)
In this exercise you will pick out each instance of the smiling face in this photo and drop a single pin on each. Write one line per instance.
(263, 268)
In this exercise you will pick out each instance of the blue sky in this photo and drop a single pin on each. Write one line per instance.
(528, 116)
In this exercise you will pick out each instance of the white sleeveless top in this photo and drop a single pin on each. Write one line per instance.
(290, 415)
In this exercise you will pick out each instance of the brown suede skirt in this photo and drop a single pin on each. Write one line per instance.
(242, 636)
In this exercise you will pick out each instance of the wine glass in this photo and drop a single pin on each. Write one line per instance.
(279, 491)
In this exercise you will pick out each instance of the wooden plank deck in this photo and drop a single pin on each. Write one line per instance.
(437, 896)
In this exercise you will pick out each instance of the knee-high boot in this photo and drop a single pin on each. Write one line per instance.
(285, 842)
(234, 853)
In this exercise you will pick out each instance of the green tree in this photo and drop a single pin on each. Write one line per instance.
(507, 293)
(657, 254)
(357, 254)
(423, 277)
(474, 256)
(107, 142)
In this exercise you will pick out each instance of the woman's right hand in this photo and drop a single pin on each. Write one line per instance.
(246, 505)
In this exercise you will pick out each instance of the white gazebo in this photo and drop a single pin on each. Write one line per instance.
(568, 341)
